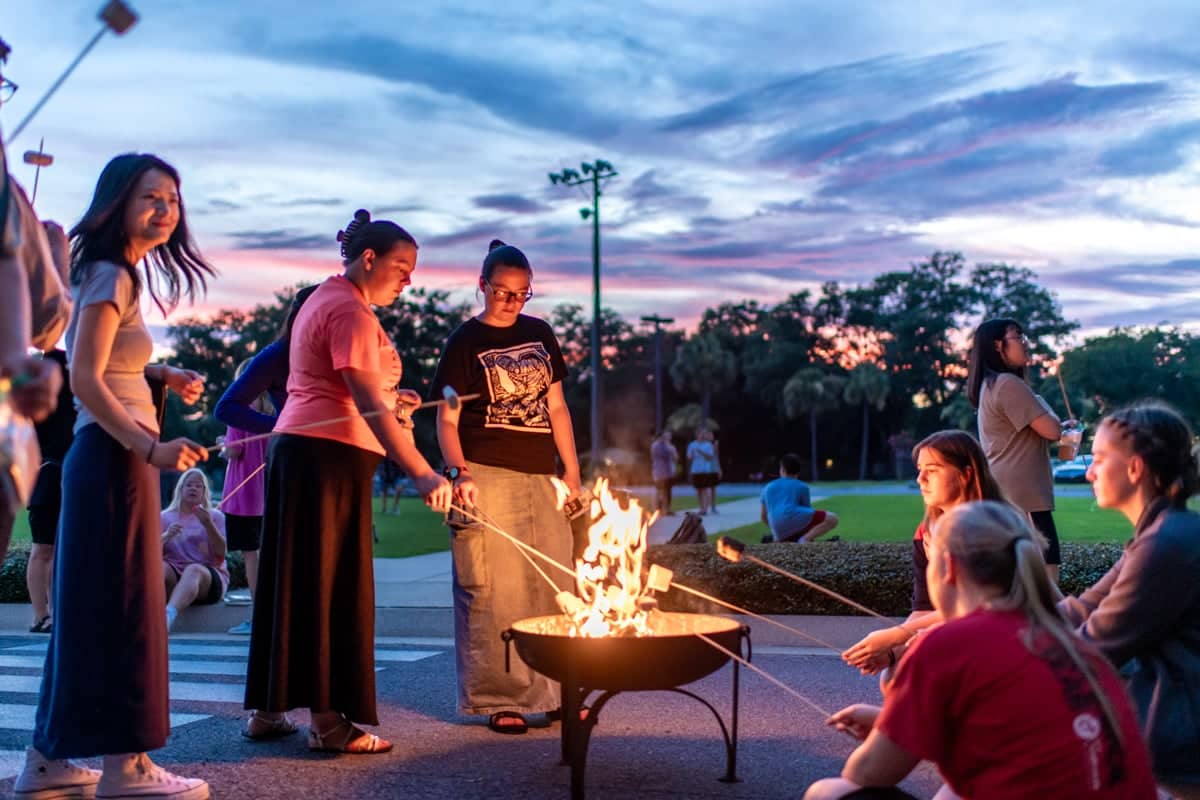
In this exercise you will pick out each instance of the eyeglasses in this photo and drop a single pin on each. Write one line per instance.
(504, 295)
(1023, 339)
(7, 90)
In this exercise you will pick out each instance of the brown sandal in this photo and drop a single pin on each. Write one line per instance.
(346, 738)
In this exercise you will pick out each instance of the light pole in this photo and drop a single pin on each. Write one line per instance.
(593, 173)
(118, 18)
(658, 322)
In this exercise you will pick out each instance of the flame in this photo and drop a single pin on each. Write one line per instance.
(612, 599)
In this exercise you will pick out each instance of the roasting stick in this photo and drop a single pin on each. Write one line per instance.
(529, 549)
(754, 667)
(238, 488)
(733, 550)
(451, 399)
(1063, 387)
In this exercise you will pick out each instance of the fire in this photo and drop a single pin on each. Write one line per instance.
(612, 597)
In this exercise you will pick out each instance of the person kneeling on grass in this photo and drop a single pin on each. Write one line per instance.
(193, 547)
(787, 507)
(1001, 697)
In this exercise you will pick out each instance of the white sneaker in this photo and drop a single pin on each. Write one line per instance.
(142, 779)
(46, 779)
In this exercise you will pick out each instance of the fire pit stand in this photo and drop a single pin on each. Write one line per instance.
(618, 664)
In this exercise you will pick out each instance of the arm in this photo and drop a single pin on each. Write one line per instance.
(214, 528)
(564, 436)
(98, 325)
(396, 440)
(875, 651)
(878, 762)
(1048, 427)
(1155, 586)
(763, 514)
(234, 407)
(450, 444)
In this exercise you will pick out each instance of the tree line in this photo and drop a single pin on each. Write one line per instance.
(847, 377)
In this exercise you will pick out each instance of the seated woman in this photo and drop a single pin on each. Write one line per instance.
(193, 541)
(951, 470)
(1145, 613)
(1001, 697)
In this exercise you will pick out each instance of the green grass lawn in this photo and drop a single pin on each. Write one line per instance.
(893, 518)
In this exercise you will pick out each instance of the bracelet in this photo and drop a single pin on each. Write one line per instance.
(150, 452)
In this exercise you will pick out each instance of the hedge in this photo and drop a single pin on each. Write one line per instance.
(876, 574)
(12, 574)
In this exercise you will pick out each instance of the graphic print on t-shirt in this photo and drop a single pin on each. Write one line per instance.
(518, 378)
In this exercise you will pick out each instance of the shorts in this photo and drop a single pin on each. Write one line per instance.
(704, 480)
(243, 533)
(45, 503)
(216, 589)
(1044, 522)
(818, 517)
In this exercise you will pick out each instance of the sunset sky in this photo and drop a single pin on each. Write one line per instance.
(761, 151)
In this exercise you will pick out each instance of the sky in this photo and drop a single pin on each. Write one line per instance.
(761, 151)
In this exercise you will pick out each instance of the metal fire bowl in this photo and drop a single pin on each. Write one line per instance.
(672, 656)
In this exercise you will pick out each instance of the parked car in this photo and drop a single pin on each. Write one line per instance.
(1073, 471)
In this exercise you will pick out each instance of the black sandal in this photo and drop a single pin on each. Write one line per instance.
(43, 625)
(518, 726)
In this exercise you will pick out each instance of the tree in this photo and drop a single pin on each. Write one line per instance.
(704, 366)
(811, 391)
(867, 385)
(1002, 290)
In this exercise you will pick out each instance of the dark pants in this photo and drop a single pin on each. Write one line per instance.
(104, 688)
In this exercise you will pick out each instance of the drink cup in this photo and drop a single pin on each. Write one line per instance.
(1068, 444)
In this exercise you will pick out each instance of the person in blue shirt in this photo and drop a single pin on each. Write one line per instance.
(787, 507)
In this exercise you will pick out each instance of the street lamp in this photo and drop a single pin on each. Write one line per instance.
(658, 322)
(118, 18)
(592, 173)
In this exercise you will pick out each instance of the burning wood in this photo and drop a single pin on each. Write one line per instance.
(612, 598)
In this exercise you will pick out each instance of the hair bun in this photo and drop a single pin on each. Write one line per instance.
(361, 217)
(495, 243)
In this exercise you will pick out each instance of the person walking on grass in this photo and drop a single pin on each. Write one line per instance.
(787, 507)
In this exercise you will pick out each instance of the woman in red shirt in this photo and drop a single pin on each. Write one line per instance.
(312, 639)
(1002, 697)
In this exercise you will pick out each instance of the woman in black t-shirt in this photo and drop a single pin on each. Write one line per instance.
(500, 453)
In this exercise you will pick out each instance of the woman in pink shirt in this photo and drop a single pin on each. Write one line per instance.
(193, 540)
(312, 640)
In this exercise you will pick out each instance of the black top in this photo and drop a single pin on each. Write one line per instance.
(54, 433)
(920, 596)
(512, 368)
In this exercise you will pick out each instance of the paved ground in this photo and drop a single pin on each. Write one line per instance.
(652, 745)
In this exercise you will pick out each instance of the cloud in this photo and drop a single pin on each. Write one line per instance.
(509, 203)
(1146, 280)
(1156, 152)
(281, 239)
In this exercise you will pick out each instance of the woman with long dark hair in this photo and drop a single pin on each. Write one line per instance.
(951, 470)
(104, 690)
(1015, 425)
(1001, 697)
(500, 452)
(1144, 614)
(312, 641)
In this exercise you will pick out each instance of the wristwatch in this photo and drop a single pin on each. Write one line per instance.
(454, 473)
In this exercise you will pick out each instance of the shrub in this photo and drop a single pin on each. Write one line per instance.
(12, 574)
(876, 574)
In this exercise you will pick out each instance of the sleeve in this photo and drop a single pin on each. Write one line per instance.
(1018, 403)
(1144, 601)
(352, 337)
(107, 283)
(920, 595)
(234, 407)
(558, 365)
(918, 702)
(164, 519)
(50, 304)
(451, 368)
(804, 496)
(218, 518)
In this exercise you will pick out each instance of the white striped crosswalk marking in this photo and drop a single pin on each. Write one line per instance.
(214, 650)
(20, 717)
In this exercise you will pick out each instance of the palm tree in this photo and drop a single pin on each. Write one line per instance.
(867, 386)
(811, 391)
(703, 365)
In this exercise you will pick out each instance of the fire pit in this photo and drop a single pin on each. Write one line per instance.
(670, 655)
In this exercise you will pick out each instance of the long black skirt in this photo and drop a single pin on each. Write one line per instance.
(104, 688)
(312, 641)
